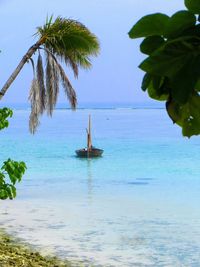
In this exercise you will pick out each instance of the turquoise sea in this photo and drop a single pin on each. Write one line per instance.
(138, 205)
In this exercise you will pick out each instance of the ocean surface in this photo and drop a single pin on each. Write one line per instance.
(138, 205)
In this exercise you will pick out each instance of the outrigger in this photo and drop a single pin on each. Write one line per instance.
(90, 151)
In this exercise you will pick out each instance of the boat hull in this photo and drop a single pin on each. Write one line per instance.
(85, 153)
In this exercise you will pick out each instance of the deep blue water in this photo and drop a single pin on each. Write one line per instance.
(138, 205)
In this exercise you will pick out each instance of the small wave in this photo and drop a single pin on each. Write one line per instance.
(138, 183)
(144, 179)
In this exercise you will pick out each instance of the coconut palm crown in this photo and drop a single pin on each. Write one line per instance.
(62, 41)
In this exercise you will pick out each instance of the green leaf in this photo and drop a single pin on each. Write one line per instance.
(9, 192)
(193, 31)
(187, 116)
(197, 86)
(14, 170)
(180, 63)
(191, 127)
(153, 94)
(174, 112)
(193, 6)
(13, 189)
(179, 22)
(154, 89)
(171, 57)
(3, 193)
(166, 61)
(173, 63)
(150, 44)
(149, 25)
(183, 83)
(4, 114)
(146, 81)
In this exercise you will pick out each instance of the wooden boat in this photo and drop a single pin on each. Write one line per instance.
(90, 151)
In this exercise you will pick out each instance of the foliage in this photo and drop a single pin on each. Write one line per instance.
(70, 41)
(172, 68)
(11, 171)
(4, 114)
(14, 171)
(61, 41)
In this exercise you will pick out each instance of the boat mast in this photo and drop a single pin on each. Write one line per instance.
(89, 139)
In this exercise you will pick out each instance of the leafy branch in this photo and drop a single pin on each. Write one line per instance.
(172, 66)
(11, 171)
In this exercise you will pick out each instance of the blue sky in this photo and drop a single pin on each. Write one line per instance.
(114, 76)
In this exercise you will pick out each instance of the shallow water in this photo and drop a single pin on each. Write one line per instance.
(138, 205)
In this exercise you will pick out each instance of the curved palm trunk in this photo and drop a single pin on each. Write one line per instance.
(25, 58)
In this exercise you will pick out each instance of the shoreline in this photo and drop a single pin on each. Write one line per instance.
(15, 252)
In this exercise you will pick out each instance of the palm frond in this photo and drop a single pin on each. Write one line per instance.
(40, 78)
(74, 66)
(56, 80)
(70, 39)
(52, 82)
(69, 91)
(78, 59)
(49, 85)
(66, 40)
(34, 98)
(33, 65)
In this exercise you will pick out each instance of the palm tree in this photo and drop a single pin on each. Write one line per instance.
(66, 41)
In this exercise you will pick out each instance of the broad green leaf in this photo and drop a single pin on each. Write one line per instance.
(167, 61)
(190, 128)
(187, 116)
(191, 125)
(183, 83)
(193, 31)
(174, 112)
(194, 106)
(11, 169)
(154, 89)
(153, 94)
(9, 192)
(180, 64)
(173, 63)
(3, 193)
(197, 86)
(151, 43)
(149, 25)
(14, 193)
(146, 81)
(179, 22)
(193, 6)
(157, 82)
(2, 177)
(4, 114)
